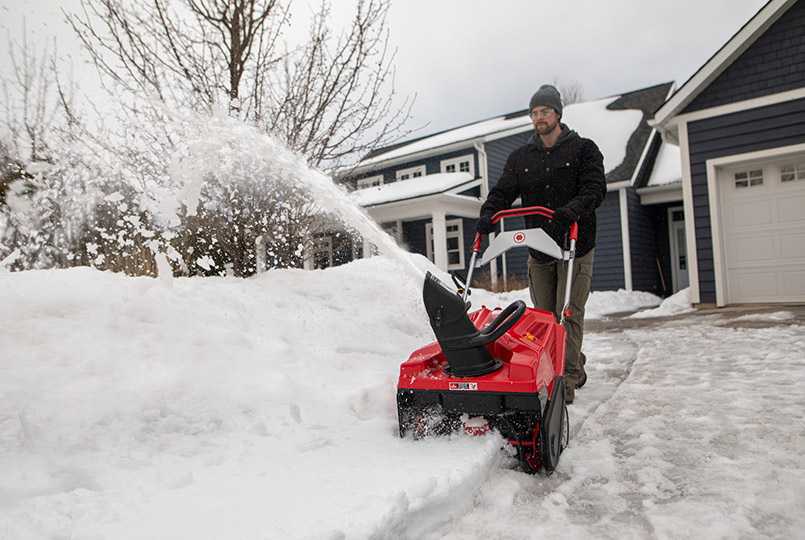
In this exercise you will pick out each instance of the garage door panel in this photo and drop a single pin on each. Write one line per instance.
(791, 210)
(749, 249)
(793, 246)
(794, 284)
(756, 285)
(763, 234)
(751, 214)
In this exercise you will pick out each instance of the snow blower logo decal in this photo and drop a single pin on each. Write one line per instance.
(519, 238)
(463, 386)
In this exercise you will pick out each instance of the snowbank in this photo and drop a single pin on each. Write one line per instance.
(212, 408)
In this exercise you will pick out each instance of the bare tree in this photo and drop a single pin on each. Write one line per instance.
(331, 99)
(33, 97)
(572, 91)
(336, 99)
(29, 100)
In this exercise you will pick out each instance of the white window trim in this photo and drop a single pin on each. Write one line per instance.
(411, 171)
(370, 181)
(456, 160)
(459, 234)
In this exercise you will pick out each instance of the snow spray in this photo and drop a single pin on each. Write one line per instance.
(224, 143)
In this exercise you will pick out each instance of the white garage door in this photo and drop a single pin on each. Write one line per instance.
(763, 223)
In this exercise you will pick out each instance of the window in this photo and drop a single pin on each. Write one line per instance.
(413, 172)
(322, 252)
(455, 244)
(792, 173)
(371, 181)
(459, 164)
(395, 230)
(751, 178)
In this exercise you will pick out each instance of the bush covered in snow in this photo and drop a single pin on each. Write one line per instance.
(210, 193)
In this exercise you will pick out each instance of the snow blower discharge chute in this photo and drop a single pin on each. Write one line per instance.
(492, 368)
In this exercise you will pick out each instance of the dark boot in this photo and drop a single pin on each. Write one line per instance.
(583, 377)
(569, 394)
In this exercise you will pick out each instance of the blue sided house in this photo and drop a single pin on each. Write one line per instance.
(739, 123)
(706, 184)
(427, 192)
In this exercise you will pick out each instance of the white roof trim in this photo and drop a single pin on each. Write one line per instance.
(720, 61)
(669, 193)
(415, 188)
(425, 207)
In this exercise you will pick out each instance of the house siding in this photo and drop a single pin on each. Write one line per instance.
(778, 125)
(497, 153)
(414, 235)
(643, 245)
(774, 63)
(608, 271)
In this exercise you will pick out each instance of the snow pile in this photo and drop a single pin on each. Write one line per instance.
(218, 407)
(602, 303)
(677, 304)
(132, 409)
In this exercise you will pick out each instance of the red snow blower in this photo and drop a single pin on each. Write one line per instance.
(492, 368)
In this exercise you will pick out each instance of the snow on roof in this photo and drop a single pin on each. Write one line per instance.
(464, 133)
(610, 129)
(411, 188)
(667, 166)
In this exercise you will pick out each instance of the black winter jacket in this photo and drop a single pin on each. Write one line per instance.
(569, 174)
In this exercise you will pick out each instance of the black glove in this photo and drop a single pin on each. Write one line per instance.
(563, 218)
(485, 225)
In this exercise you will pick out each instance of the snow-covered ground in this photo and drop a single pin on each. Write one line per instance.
(211, 408)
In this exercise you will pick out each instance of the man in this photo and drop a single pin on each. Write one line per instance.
(560, 170)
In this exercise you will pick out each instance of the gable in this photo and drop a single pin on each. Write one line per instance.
(774, 63)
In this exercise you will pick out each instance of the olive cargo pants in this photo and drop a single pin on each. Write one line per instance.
(546, 282)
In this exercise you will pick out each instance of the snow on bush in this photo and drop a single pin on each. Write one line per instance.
(209, 192)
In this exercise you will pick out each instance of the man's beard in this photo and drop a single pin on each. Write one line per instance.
(546, 128)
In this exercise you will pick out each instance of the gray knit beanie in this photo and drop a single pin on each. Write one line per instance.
(546, 96)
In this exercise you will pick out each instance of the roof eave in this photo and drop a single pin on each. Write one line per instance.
(716, 65)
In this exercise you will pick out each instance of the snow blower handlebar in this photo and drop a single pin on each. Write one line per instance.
(530, 211)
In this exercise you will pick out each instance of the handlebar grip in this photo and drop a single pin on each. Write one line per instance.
(574, 231)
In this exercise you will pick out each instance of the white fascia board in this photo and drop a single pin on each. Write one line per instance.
(660, 194)
(740, 106)
(670, 130)
(720, 61)
(425, 207)
(616, 186)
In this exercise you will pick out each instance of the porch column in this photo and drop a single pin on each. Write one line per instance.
(440, 241)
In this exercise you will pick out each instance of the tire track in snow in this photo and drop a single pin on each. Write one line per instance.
(506, 501)
(677, 436)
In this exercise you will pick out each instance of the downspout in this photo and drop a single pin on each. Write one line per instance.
(483, 172)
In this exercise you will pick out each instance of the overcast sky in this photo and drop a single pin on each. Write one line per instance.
(468, 60)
